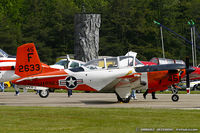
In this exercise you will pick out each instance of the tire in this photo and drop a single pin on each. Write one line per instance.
(44, 93)
(124, 100)
(175, 98)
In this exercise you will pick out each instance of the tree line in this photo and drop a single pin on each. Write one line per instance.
(126, 25)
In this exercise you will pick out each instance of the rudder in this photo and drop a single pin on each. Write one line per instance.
(27, 60)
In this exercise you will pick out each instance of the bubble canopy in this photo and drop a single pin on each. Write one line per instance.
(111, 63)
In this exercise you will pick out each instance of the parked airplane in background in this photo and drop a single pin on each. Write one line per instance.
(194, 74)
(7, 67)
(117, 74)
(67, 63)
(159, 81)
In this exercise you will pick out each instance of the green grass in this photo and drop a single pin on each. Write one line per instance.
(92, 120)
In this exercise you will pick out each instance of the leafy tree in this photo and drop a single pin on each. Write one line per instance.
(126, 25)
(10, 30)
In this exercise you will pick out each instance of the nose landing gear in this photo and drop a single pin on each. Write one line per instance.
(174, 97)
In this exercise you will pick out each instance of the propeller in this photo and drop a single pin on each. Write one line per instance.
(187, 73)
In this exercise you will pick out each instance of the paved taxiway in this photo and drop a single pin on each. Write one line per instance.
(104, 100)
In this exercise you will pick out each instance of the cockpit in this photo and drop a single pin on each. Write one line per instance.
(160, 61)
(112, 63)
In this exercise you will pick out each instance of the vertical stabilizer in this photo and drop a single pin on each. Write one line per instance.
(27, 61)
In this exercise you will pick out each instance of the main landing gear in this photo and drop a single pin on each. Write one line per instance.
(123, 100)
(44, 93)
(174, 97)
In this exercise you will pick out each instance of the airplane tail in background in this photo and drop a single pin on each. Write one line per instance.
(27, 61)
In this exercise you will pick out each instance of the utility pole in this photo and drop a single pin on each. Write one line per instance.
(161, 34)
(195, 49)
(193, 40)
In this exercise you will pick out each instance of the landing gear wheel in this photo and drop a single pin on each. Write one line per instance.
(175, 98)
(44, 93)
(124, 100)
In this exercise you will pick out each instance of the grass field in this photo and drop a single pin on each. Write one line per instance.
(93, 120)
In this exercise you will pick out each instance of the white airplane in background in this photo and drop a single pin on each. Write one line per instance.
(67, 63)
(7, 67)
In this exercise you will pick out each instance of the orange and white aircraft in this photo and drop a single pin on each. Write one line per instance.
(118, 74)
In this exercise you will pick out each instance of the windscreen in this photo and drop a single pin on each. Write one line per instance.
(126, 61)
(138, 63)
(62, 63)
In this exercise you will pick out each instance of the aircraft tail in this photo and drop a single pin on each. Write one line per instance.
(27, 61)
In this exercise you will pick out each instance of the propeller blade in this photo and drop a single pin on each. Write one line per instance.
(187, 73)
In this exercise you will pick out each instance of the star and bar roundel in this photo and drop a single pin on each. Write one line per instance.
(70, 82)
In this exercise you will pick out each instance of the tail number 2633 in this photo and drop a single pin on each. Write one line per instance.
(27, 68)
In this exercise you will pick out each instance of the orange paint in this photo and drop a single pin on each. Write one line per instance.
(27, 61)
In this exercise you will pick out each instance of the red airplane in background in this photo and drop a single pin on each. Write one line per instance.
(159, 85)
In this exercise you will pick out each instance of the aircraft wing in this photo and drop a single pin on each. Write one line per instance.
(123, 85)
(160, 72)
(163, 67)
(126, 83)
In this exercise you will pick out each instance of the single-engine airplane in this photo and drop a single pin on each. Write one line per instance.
(158, 85)
(118, 74)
